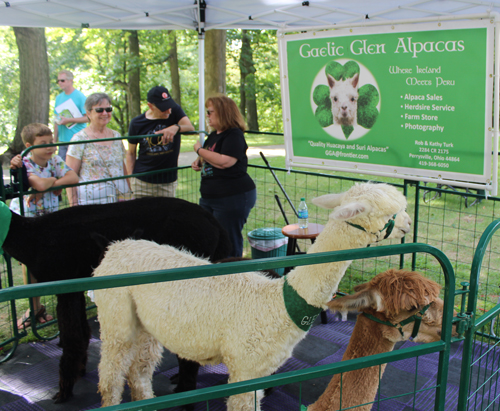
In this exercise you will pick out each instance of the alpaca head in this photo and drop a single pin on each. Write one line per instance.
(398, 295)
(344, 96)
(371, 206)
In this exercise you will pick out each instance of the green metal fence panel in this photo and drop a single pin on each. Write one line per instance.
(451, 223)
(9, 335)
(481, 341)
(450, 220)
(307, 184)
(442, 347)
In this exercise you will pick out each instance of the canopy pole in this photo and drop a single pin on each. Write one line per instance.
(201, 68)
(201, 84)
(496, 105)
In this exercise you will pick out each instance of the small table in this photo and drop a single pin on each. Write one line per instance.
(294, 233)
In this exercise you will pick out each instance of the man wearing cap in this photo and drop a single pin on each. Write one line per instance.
(164, 121)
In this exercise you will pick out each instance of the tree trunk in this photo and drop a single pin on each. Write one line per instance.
(173, 64)
(245, 44)
(215, 62)
(34, 80)
(134, 75)
(251, 101)
(247, 88)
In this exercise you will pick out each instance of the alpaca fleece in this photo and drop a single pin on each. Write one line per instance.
(241, 319)
(62, 245)
(391, 296)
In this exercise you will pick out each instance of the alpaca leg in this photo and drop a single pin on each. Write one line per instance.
(146, 354)
(115, 360)
(86, 336)
(188, 373)
(186, 379)
(74, 340)
(121, 335)
(248, 401)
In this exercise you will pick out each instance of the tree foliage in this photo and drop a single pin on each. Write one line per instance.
(9, 86)
(106, 61)
(265, 84)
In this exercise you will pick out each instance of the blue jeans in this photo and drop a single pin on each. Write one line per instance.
(232, 213)
(62, 152)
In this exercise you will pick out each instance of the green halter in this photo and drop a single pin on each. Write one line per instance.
(389, 225)
(417, 318)
(300, 311)
(5, 217)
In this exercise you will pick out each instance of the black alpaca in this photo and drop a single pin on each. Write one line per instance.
(62, 245)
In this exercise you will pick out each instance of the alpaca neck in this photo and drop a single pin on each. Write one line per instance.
(317, 283)
(21, 240)
(367, 339)
(5, 223)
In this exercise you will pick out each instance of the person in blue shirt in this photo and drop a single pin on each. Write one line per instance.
(67, 124)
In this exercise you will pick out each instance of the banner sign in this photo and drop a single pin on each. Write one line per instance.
(412, 100)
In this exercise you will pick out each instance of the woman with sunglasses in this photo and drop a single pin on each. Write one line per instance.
(97, 160)
(227, 191)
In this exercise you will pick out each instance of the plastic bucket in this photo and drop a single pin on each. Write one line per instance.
(268, 242)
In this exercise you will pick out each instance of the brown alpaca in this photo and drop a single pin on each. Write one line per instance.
(392, 296)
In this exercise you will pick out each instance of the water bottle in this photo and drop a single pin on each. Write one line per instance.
(303, 213)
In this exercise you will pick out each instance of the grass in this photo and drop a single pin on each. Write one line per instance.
(253, 140)
(443, 222)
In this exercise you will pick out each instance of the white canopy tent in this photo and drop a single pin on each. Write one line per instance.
(226, 14)
(282, 15)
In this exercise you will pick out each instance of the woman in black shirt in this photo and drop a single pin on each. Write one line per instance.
(227, 191)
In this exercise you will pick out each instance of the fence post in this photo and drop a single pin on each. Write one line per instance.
(463, 392)
(415, 223)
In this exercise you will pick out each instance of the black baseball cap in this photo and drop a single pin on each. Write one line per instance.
(161, 98)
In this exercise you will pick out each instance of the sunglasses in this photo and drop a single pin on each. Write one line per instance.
(60, 80)
(101, 109)
(210, 112)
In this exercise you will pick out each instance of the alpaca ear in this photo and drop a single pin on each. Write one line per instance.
(348, 211)
(101, 241)
(361, 287)
(331, 81)
(137, 234)
(355, 80)
(328, 201)
(357, 302)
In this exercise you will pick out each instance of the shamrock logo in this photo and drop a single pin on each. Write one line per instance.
(368, 98)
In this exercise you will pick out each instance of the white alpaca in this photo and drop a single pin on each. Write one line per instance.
(247, 321)
(344, 96)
